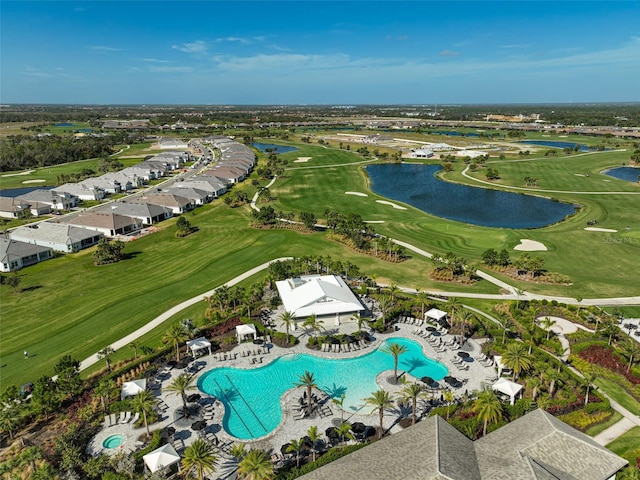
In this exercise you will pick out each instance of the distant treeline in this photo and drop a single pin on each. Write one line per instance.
(22, 152)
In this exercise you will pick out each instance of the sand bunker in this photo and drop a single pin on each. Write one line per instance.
(18, 174)
(530, 246)
(597, 229)
(302, 160)
(579, 175)
(373, 221)
(384, 202)
(33, 181)
(358, 194)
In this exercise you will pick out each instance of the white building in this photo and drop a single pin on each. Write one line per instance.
(60, 237)
(326, 296)
(422, 152)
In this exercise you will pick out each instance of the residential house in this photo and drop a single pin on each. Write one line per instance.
(176, 203)
(422, 152)
(56, 200)
(199, 197)
(170, 143)
(147, 213)
(108, 223)
(13, 207)
(82, 191)
(60, 237)
(109, 186)
(228, 174)
(213, 185)
(15, 255)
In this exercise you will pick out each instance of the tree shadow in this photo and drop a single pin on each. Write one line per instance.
(31, 289)
(130, 255)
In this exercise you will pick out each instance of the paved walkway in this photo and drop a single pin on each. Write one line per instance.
(123, 342)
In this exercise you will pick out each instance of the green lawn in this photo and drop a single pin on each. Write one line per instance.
(619, 394)
(601, 427)
(628, 445)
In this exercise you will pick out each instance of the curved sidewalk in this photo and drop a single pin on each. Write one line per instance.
(123, 342)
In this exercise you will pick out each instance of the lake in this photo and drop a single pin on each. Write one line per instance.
(16, 192)
(630, 174)
(549, 143)
(453, 133)
(418, 186)
(263, 147)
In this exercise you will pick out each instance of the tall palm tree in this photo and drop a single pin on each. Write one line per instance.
(380, 400)
(385, 303)
(175, 335)
(554, 378)
(411, 392)
(534, 384)
(422, 297)
(587, 380)
(340, 403)
(359, 321)
(454, 307)
(313, 323)
(180, 386)
(395, 350)
(488, 408)
(314, 438)
(296, 446)
(448, 398)
(105, 389)
(507, 325)
(393, 291)
(256, 465)
(517, 358)
(106, 353)
(144, 403)
(631, 350)
(136, 344)
(287, 320)
(547, 323)
(199, 457)
(308, 381)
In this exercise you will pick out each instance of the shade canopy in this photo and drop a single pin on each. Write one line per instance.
(132, 388)
(435, 314)
(507, 387)
(242, 331)
(198, 344)
(161, 457)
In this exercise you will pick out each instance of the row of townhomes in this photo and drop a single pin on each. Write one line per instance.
(36, 242)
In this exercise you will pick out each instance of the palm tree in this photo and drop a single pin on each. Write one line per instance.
(340, 403)
(384, 303)
(553, 377)
(359, 321)
(106, 353)
(287, 320)
(395, 350)
(488, 408)
(448, 398)
(175, 335)
(422, 297)
(534, 383)
(314, 324)
(412, 391)
(296, 446)
(344, 431)
(199, 457)
(9, 421)
(136, 344)
(587, 381)
(631, 350)
(455, 307)
(256, 465)
(507, 325)
(307, 380)
(547, 323)
(238, 451)
(314, 438)
(380, 400)
(393, 290)
(517, 358)
(180, 386)
(144, 403)
(105, 390)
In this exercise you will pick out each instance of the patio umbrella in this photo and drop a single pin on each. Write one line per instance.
(431, 329)
(358, 427)
(428, 380)
(199, 425)
(194, 397)
(332, 340)
(463, 354)
(349, 339)
(450, 380)
(284, 448)
(331, 432)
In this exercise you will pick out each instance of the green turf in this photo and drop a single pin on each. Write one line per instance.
(627, 445)
(619, 394)
(601, 427)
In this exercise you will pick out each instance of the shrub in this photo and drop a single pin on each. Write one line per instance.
(333, 454)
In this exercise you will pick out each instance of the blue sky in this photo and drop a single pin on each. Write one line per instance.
(305, 52)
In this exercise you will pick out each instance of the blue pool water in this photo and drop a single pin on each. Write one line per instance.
(263, 147)
(630, 174)
(417, 185)
(113, 441)
(252, 397)
(549, 143)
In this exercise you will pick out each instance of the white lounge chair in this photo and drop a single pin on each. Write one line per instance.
(122, 417)
(135, 418)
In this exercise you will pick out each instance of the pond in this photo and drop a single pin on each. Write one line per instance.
(16, 192)
(264, 147)
(453, 133)
(418, 186)
(549, 143)
(630, 174)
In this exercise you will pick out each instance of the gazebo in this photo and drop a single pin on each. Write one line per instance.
(507, 387)
(132, 388)
(161, 458)
(197, 344)
(245, 329)
(437, 315)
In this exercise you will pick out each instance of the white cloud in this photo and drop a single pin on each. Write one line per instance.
(199, 46)
(154, 60)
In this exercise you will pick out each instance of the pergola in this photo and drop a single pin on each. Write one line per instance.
(437, 315)
(197, 344)
(512, 389)
(132, 388)
(161, 458)
(245, 329)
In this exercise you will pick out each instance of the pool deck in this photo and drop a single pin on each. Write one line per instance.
(474, 378)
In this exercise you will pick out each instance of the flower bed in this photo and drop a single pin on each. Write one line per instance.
(605, 357)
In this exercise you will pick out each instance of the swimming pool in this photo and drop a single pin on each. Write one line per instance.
(252, 397)
(113, 441)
